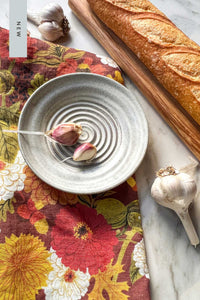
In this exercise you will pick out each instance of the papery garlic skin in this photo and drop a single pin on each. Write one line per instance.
(51, 31)
(51, 21)
(66, 134)
(84, 152)
(52, 12)
(177, 190)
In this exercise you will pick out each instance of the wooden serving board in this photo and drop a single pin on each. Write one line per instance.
(182, 124)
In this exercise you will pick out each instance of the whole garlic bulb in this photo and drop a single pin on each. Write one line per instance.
(172, 188)
(176, 190)
(51, 21)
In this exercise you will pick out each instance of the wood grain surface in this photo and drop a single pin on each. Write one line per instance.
(181, 123)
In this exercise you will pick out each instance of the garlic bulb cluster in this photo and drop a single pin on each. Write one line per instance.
(51, 21)
(176, 190)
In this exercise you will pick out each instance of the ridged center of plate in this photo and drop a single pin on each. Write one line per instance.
(99, 127)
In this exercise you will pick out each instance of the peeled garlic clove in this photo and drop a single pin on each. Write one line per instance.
(51, 31)
(85, 151)
(66, 133)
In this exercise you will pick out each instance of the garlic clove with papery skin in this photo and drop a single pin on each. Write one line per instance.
(176, 191)
(84, 152)
(66, 134)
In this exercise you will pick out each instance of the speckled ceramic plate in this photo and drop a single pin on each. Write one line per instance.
(111, 118)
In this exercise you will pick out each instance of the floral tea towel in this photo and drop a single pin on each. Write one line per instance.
(55, 245)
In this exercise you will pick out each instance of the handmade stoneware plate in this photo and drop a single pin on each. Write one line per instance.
(111, 119)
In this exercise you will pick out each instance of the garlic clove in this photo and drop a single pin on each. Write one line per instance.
(84, 152)
(51, 31)
(176, 190)
(65, 133)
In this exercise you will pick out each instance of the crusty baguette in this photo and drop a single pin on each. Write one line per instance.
(170, 55)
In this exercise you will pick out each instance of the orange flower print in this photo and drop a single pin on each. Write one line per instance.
(67, 67)
(42, 194)
(89, 65)
(38, 219)
(24, 267)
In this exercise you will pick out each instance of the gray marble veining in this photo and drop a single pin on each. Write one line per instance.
(174, 264)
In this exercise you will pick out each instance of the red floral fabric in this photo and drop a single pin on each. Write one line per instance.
(83, 239)
(56, 245)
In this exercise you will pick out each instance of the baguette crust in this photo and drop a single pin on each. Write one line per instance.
(168, 53)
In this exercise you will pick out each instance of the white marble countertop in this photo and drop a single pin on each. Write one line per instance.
(174, 264)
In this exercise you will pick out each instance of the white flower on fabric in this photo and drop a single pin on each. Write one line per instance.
(139, 257)
(108, 61)
(11, 177)
(64, 283)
